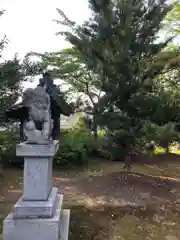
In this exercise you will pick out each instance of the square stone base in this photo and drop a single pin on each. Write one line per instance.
(64, 232)
(38, 229)
(37, 209)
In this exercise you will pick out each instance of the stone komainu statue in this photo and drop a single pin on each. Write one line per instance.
(35, 109)
(38, 104)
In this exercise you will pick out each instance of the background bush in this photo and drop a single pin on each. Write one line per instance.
(8, 141)
(76, 145)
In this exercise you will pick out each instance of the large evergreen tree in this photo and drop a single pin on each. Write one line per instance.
(120, 43)
(172, 22)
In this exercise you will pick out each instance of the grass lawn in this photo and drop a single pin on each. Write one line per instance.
(108, 204)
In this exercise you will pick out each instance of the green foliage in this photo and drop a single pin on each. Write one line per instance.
(162, 136)
(8, 141)
(172, 22)
(84, 85)
(10, 80)
(119, 44)
(159, 150)
(75, 145)
(11, 76)
(101, 133)
(116, 53)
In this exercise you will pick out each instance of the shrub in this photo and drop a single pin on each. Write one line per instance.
(75, 145)
(163, 136)
(8, 141)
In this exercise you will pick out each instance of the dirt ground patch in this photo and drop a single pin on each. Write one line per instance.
(118, 189)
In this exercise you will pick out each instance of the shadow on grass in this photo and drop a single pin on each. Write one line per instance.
(123, 187)
(98, 223)
(113, 222)
(124, 223)
(155, 159)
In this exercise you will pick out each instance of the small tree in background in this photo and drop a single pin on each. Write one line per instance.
(11, 76)
(162, 136)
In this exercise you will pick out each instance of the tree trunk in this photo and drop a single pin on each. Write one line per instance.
(166, 146)
(95, 130)
(167, 150)
(94, 127)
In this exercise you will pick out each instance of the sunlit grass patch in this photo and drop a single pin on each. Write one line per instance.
(159, 150)
(172, 149)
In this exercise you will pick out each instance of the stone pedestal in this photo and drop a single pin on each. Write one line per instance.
(39, 213)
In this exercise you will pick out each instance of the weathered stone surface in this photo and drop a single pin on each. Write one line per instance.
(37, 178)
(64, 230)
(36, 229)
(37, 169)
(35, 209)
(38, 104)
(25, 149)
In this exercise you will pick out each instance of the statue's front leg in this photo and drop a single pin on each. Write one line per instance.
(46, 130)
(29, 129)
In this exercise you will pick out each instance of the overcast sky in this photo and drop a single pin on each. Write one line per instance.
(29, 25)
